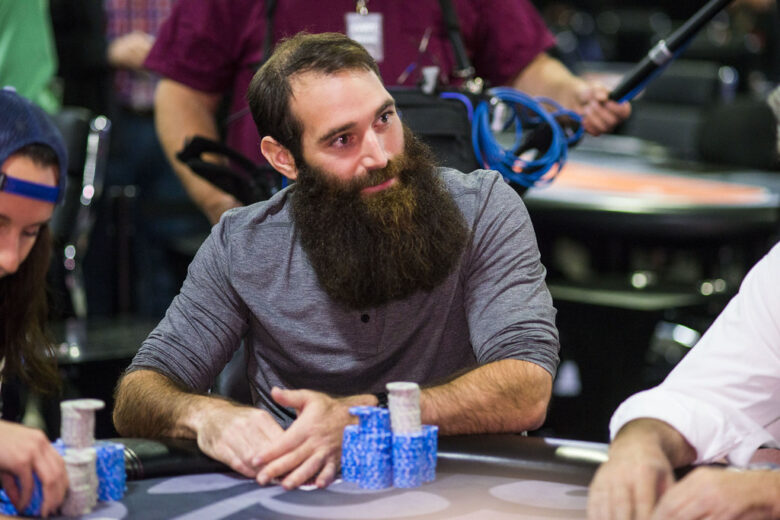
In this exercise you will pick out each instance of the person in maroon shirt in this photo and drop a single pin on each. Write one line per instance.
(208, 48)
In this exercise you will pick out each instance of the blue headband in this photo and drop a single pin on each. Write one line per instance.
(29, 189)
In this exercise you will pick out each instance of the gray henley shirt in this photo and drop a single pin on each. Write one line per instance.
(252, 281)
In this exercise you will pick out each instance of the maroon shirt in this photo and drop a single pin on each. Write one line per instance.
(216, 45)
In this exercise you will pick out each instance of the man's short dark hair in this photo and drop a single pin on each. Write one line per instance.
(270, 91)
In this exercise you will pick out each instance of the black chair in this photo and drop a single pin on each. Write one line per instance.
(675, 104)
(86, 138)
(92, 353)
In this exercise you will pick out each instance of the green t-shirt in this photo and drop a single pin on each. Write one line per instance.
(28, 58)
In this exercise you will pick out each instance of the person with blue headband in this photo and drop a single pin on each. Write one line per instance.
(33, 163)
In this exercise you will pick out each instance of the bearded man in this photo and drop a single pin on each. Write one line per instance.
(374, 266)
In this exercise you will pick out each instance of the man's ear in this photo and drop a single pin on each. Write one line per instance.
(279, 157)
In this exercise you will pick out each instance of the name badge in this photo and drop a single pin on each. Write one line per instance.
(366, 29)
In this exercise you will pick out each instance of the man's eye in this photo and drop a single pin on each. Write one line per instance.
(384, 118)
(341, 141)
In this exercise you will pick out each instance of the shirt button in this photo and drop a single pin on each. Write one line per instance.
(364, 318)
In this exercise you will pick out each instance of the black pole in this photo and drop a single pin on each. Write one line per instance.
(663, 51)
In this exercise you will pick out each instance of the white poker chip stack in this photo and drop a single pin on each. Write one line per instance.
(403, 401)
(77, 432)
(414, 444)
(78, 422)
(82, 479)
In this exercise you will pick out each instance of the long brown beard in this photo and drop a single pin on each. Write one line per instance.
(368, 250)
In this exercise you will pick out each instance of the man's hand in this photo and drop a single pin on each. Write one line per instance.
(130, 50)
(630, 483)
(599, 113)
(723, 495)
(26, 451)
(639, 470)
(311, 446)
(546, 76)
(236, 434)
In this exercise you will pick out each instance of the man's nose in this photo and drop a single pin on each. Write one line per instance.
(374, 156)
(10, 254)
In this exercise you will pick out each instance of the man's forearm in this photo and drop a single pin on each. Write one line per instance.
(181, 113)
(646, 432)
(148, 404)
(546, 76)
(504, 396)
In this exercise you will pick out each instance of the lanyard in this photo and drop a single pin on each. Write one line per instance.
(361, 6)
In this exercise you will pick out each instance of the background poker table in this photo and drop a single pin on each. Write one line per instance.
(499, 477)
(642, 252)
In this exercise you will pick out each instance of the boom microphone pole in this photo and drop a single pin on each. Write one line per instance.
(664, 52)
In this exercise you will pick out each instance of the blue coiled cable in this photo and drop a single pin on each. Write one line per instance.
(529, 115)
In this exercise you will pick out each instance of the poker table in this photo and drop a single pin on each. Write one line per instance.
(636, 244)
(636, 222)
(498, 477)
(681, 201)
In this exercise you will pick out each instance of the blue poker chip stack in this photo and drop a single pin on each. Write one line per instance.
(376, 465)
(110, 468)
(376, 456)
(36, 500)
(6, 507)
(59, 445)
(407, 459)
(373, 449)
(430, 450)
(33, 506)
(371, 418)
(350, 459)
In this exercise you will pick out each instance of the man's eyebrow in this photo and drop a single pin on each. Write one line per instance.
(334, 132)
(343, 128)
(387, 104)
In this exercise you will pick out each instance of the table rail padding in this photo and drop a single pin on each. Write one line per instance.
(147, 458)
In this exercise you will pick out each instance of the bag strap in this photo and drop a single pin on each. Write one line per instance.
(463, 69)
(268, 41)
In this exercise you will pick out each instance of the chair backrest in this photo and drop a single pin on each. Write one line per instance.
(86, 138)
(673, 106)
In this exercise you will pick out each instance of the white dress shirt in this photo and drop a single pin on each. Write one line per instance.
(724, 396)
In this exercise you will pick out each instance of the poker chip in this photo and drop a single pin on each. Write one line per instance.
(6, 507)
(375, 469)
(59, 445)
(390, 448)
(350, 460)
(111, 474)
(33, 507)
(78, 500)
(370, 443)
(36, 500)
(371, 418)
(407, 459)
(403, 401)
(96, 471)
(430, 452)
(80, 465)
(77, 429)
